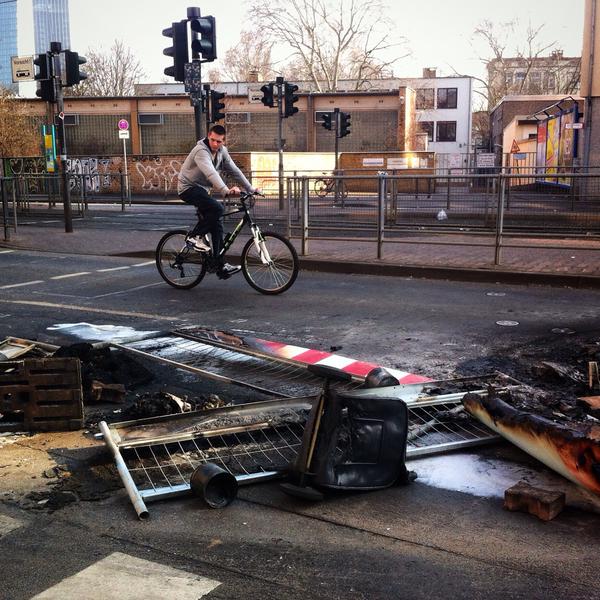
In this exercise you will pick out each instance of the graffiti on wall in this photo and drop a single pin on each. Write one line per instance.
(157, 174)
(94, 173)
(31, 165)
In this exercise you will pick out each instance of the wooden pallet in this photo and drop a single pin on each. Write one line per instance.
(41, 394)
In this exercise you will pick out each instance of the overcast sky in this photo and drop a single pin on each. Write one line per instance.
(439, 32)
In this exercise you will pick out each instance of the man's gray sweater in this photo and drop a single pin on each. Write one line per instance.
(199, 170)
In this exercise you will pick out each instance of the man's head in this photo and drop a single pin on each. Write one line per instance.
(216, 137)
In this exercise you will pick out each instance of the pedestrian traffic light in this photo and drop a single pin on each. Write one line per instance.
(178, 51)
(46, 90)
(72, 73)
(268, 99)
(344, 124)
(216, 106)
(207, 44)
(326, 120)
(289, 98)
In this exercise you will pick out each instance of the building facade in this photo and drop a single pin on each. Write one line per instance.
(8, 42)
(51, 24)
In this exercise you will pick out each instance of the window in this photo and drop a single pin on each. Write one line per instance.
(519, 77)
(446, 131)
(447, 97)
(508, 79)
(426, 127)
(150, 119)
(536, 77)
(71, 120)
(239, 118)
(424, 99)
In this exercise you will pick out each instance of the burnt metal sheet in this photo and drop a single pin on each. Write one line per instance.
(571, 449)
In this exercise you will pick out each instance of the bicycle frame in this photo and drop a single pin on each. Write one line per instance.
(254, 229)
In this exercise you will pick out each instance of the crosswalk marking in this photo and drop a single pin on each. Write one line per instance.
(121, 576)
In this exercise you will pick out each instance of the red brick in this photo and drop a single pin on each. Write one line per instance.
(545, 504)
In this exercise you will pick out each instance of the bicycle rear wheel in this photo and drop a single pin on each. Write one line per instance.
(321, 188)
(279, 273)
(180, 266)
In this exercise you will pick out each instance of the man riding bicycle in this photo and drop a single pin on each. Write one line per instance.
(200, 173)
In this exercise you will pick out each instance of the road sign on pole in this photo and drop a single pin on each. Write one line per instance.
(514, 149)
(22, 68)
(123, 125)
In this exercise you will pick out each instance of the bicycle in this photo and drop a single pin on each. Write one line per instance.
(326, 185)
(269, 261)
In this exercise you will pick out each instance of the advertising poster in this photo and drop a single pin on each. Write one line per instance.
(552, 140)
(566, 145)
(541, 146)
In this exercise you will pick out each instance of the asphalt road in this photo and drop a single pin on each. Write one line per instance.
(417, 541)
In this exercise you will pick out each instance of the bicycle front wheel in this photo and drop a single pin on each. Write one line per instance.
(180, 266)
(273, 274)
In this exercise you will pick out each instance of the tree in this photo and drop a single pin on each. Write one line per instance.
(330, 40)
(249, 59)
(19, 135)
(111, 73)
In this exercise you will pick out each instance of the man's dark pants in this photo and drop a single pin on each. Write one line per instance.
(210, 215)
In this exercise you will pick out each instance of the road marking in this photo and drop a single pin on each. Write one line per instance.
(144, 264)
(134, 289)
(8, 524)
(111, 269)
(14, 285)
(54, 221)
(124, 576)
(122, 313)
(5, 251)
(71, 275)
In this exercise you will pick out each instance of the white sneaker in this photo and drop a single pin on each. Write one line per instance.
(198, 243)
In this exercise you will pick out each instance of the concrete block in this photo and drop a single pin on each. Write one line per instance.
(545, 504)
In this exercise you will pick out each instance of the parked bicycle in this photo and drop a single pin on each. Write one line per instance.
(326, 185)
(269, 261)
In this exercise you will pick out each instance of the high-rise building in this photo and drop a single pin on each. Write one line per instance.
(8, 42)
(50, 24)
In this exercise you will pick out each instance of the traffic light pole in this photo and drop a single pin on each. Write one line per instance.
(279, 83)
(193, 12)
(207, 109)
(59, 122)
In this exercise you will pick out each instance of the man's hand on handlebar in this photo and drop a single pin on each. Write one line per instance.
(233, 191)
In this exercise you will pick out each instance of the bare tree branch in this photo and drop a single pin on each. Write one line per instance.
(111, 73)
(19, 135)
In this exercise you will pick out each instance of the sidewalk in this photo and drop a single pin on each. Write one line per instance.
(576, 263)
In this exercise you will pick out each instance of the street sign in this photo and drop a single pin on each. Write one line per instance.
(22, 68)
(486, 160)
(124, 134)
(514, 149)
(254, 96)
(123, 125)
(573, 125)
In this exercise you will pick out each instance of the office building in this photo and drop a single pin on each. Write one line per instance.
(8, 42)
(50, 24)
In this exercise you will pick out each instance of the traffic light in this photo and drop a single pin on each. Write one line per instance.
(289, 98)
(207, 44)
(344, 124)
(216, 106)
(45, 74)
(178, 51)
(72, 73)
(268, 98)
(326, 117)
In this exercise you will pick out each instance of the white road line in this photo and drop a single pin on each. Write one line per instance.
(144, 264)
(6, 251)
(126, 291)
(111, 269)
(124, 576)
(89, 309)
(14, 285)
(54, 221)
(71, 275)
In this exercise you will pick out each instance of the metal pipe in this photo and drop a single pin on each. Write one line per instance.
(4, 209)
(381, 214)
(500, 220)
(304, 249)
(132, 491)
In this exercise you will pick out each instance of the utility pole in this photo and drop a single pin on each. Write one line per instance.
(193, 12)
